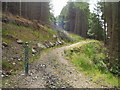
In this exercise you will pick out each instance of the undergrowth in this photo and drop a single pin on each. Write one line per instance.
(91, 58)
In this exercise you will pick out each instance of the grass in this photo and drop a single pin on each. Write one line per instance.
(6, 40)
(7, 32)
(18, 27)
(7, 64)
(34, 58)
(24, 34)
(8, 81)
(90, 58)
(28, 34)
(75, 37)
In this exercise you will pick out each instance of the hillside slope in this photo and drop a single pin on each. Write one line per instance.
(16, 31)
(14, 36)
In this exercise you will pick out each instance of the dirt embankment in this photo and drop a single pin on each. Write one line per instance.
(15, 32)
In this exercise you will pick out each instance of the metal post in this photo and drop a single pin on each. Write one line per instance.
(26, 58)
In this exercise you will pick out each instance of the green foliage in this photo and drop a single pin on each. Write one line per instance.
(110, 14)
(83, 6)
(93, 54)
(6, 32)
(75, 37)
(97, 55)
(91, 59)
(21, 32)
(95, 27)
(115, 69)
(6, 40)
(34, 58)
(7, 65)
(18, 27)
(81, 61)
(8, 80)
(68, 16)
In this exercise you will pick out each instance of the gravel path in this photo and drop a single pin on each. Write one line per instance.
(52, 70)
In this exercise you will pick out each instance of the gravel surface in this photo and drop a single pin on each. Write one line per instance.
(52, 70)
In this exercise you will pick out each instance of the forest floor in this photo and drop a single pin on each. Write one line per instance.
(53, 70)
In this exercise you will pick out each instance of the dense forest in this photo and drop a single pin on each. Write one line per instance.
(91, 41)
(74, 18)
(25, 10)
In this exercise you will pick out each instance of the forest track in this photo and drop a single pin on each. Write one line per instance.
(53, 70)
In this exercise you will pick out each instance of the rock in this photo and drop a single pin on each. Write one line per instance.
(18, 16)
(34, 78)
(11, 58)
(5, 44)
(46, 45)
(58, 40)
(19, 59)
(41, 45)
(22, 74)
(33, 54)
(13, 63)
(70, 72)
(43, 65)
(8, 73)
(71, 50)
(34, 51)
(19, 41)
(2, 76)
(5, 19)
(51, 44)
(15, 58)
(54, 36)
(56, 43)
(11, 71)
(6, 83)
(2, 47)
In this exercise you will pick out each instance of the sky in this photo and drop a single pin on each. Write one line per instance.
(59, 4)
